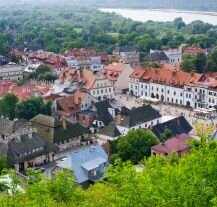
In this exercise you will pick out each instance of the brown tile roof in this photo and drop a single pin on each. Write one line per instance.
(175, 144)
(194, 50)
(137, 73)
(74, 75)
(163, 76)
(76, 52)
(71, 105)
(179, 78)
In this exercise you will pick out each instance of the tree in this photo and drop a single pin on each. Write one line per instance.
(135, 145)
(4, 165)
(200, 62)
(31, 107)
(43, 72)
(212, 61)
(8, 105)
(187, 64)
(166, 135)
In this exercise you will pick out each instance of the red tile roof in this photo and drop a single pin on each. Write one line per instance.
(5, 87)
(72, 104)
(175, 144)
(112, 71)
(194, 50)
(78, 52)
(73, 75)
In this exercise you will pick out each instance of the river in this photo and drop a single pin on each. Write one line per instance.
(165, 15)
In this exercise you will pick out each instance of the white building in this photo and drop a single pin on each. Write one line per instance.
(175, 87)
(174, 55)
(11, 71)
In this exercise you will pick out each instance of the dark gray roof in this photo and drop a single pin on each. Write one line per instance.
(18, 147)
(156, 56)
(7, 127)
(177, 126)
(46, 120)
(110, 130)
(71, 131)
(102, 112)
(136, 116)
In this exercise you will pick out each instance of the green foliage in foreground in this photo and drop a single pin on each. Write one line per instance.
(163, 182)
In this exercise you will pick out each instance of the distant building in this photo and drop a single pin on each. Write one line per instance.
(70, 106)
(8, 127)
(11, 71)
(174, 55)
(26, 148)
(118, 74)
(83, 59)
(88, 165)
(128, 55)
(96, 83)
(177, 144)
(62, 132)
(194, 50)
(176, 126)
(157, 56)
(117, 122)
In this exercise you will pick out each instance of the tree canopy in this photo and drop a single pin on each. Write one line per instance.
(8, 105)
(134, 146)
(31, 107)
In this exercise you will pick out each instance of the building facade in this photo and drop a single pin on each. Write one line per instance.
(11, 71)
(175, 87)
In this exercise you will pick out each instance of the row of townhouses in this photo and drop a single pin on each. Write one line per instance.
(175, 87)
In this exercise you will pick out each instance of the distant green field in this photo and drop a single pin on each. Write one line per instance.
(113, 34)
(78, 30)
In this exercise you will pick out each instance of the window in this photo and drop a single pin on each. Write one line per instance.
(186, 95)
(162, 90)
(102, 91)
(209, 99)
(97, 91)
(181, 102)
(152, 88)
(168, 91)
(93, 92)
(174, 93)
(157, 89)
(195, 90)
(180, 94)
(109, 89)
(152, 123)
(168, 99)
(189, 95)
(213, 101)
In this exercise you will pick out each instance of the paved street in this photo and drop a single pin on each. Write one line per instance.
(165, 110)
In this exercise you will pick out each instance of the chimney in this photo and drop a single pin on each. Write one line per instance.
(81, 74)
(64, 122)
(118, 118)
(30, 133)
(178, 121)
(18, 137)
